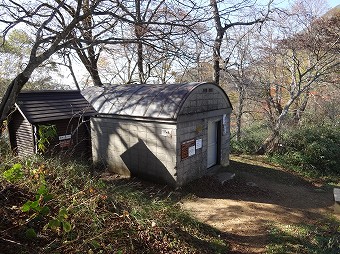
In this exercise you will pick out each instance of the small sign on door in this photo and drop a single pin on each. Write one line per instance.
(198, 143)
(188, 149)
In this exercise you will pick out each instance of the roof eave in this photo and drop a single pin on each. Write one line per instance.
(22, 113)
(137, 118)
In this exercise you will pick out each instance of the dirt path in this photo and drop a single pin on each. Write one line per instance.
(258, 196)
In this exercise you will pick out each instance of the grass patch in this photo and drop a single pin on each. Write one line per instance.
(78, 212)
(312, 151)
(323, 237)
(251, 139)
(258, 165)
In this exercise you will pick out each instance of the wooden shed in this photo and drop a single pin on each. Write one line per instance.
(170, 133)
(67, 111)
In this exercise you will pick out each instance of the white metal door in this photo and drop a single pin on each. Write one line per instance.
(212, 144)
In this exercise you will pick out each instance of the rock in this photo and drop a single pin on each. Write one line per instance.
(251, 184)
(224, 177)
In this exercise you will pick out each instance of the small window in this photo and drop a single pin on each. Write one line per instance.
(205, 90)
(210, 90)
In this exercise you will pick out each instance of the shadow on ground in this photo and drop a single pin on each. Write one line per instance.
(251, 208)
(262, 185)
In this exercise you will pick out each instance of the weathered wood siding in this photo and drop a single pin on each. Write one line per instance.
(80, 143)
(21, 135)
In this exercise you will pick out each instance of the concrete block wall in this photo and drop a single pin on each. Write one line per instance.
(205, 98)
(142, 148)
(194, 166)
(193, 127)
(206, 103)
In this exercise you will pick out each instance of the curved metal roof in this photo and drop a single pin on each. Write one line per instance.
(142, 100)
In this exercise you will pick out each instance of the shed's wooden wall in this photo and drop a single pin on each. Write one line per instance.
(80, 137)
(21, 135)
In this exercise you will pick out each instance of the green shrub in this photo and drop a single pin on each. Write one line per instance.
(251, 139)
(13, 174)
(312, 149)
(61, 206)
(46, 134)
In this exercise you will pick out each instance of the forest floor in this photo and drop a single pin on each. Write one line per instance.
(263, 209)
(262, 199)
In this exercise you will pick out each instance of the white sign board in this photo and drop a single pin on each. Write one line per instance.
(198, 143)
(192, 150)
(224, 120)
(64, 137)
(166, 133)
(337, 194)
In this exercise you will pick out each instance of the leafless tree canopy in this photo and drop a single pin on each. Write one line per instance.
(272, 56)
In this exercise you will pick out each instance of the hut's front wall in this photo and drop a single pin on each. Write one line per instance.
(192, 133)
(146, 149)
(205, 110)
(205, 98)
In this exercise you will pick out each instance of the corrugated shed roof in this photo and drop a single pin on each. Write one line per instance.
(42, 106)
(142, 100)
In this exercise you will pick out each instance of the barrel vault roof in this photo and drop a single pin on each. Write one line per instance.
(142, 100)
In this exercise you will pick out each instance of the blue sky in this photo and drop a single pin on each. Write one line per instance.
(333, 3)
(283, 3)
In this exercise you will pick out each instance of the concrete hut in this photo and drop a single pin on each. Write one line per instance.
(170, 133)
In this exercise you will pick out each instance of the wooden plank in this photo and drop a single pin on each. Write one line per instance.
(336, 192)
(50, 102)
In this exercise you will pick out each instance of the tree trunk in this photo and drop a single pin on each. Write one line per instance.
(69, 65)
(140, 62)
(9, 98)
(270, 144)
(299, 111)
(139, 32)
(217, 42)
(90, 63)
(239, 113)
(95, 75)
(216, 56)
(90, 60)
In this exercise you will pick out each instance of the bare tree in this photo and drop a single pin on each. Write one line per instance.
(86, 50)
(150, 38)
(62, 25)
(54, 27)
(299, 63)
(224, 15)
(240, 74)
(159, 29)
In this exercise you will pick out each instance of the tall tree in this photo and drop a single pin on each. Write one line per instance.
(224, 15)
(54, 29)
(150, 37)
(64, 25)
(239, 74)
(86, 50)
(301, 62)
(159, 28)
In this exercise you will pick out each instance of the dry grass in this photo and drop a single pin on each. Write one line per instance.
(120, 216)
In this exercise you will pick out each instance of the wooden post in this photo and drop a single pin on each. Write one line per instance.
(337, 200)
